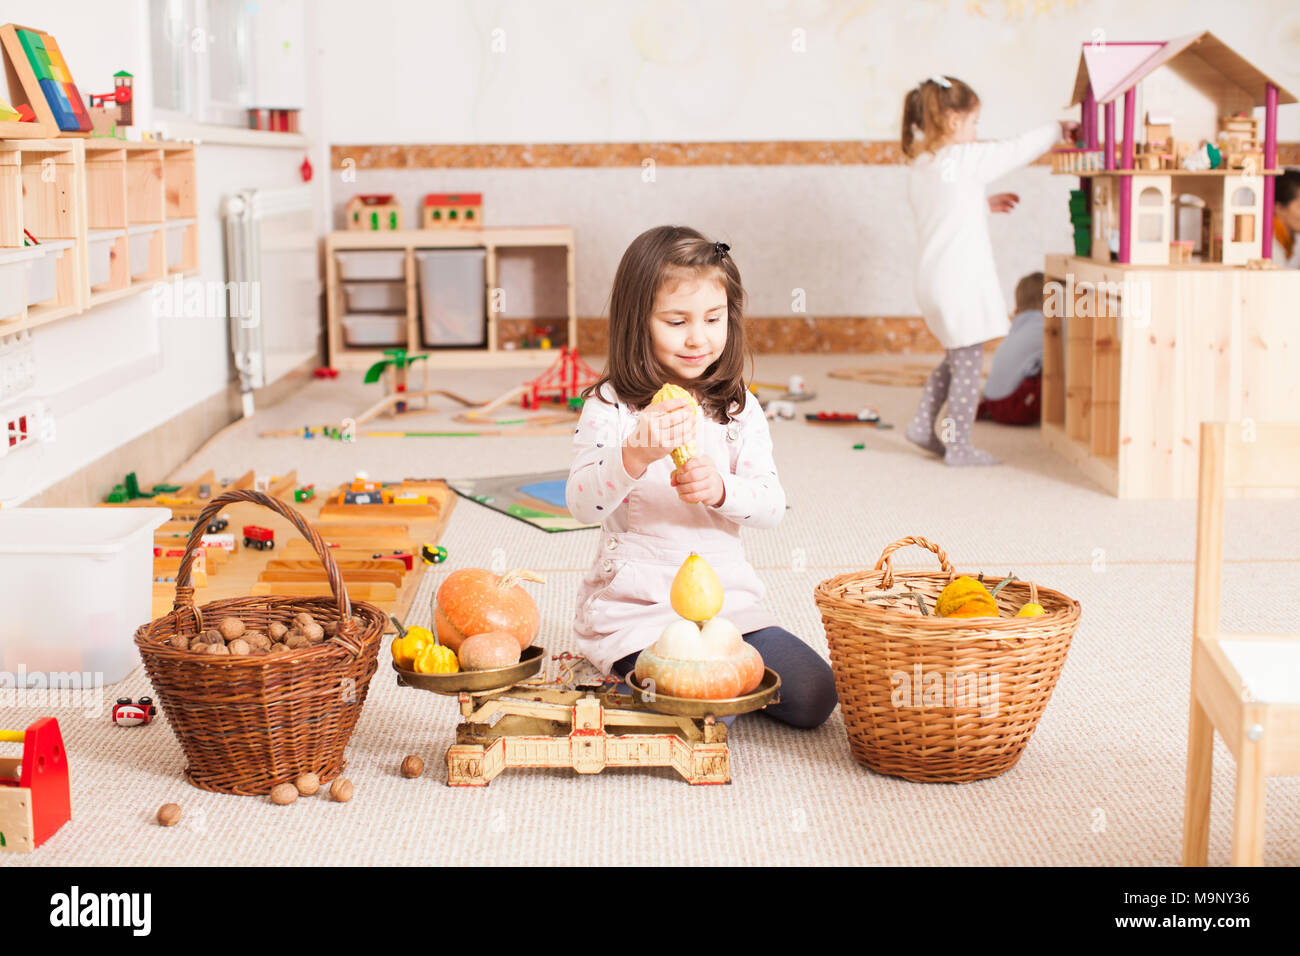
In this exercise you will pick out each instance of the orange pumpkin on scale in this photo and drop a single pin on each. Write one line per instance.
(475, 601)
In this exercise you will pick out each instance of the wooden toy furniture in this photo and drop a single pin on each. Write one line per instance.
(1174, 317)
(452, 211)
(35, 799)
(529, 278)
(374, 213)
(1245, 686)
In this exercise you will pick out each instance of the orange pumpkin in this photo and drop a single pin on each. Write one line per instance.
(474, 601)
(709, 663)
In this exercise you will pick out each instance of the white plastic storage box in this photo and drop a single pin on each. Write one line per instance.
(453, 296)
(99, 254)
(44, 283)
(176, 241)
(375, 296)
(15, 270)
(141, 234)
(378, 264)
(374, 331)
(75, 583)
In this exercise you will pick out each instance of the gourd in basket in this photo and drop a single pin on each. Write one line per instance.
(248, 721)
(985, 679)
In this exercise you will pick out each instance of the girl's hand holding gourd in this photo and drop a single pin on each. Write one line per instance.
(699, 481)
(659, 430)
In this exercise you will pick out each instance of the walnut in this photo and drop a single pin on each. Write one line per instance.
(169, 814)
(284, 794)
(412, 767)
(276, 630)
(296, 639)
(231, 628)
(315, 633)
(331, 628)
(278, 649)
(212, 636)
(218, 649)
(341, 790)
(307, 784)
(303, 620)
(180, 642)
(238, 646)
(258, 639)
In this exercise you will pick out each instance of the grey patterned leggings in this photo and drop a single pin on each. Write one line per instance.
(956, 380)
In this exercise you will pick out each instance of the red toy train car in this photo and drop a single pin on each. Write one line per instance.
(255, 536)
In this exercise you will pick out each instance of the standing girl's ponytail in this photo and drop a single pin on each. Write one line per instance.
(926, 109)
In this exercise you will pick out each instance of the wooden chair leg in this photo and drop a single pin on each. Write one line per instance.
(1200, 773)
(1248, 812)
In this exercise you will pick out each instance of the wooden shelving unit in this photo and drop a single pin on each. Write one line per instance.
(540, 257)
(77, 189)
(1143, 354)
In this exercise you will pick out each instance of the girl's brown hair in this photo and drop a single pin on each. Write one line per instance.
(658, 256)
(926, 109)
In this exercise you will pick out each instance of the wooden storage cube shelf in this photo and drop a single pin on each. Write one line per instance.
(1125, 401)
(530, 291)
(53, 208)
(145, 185)
(519, 246)
(106, 213)
(179, 178)
(11, 199)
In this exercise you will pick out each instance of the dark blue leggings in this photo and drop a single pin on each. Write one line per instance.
(807, 683)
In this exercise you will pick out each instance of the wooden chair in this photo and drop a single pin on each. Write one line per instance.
(1246, 686)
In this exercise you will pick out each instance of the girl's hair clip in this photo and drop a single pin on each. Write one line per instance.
(941, 81)
(722, 249)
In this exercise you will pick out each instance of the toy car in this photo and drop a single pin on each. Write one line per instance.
(305, 493)
(128, 714)
(218, 524)
(255, 536)
(433, 554)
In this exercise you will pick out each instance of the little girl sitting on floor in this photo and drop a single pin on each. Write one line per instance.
(676, 317)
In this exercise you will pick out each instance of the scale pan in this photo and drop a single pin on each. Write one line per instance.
(497, 678)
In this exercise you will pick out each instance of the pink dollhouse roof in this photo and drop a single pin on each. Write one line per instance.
(1115, 68)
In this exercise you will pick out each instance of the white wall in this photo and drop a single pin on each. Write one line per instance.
(547, 71)
(117, 371)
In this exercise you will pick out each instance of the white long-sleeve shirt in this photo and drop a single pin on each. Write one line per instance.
(956, 280)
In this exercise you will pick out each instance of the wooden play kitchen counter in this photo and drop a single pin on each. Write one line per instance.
(1136, 357)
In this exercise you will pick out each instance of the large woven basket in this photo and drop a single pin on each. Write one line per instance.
(934, 699)
(249, 723)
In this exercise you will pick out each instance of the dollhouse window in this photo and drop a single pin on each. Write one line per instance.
(1244, 197)
(1151, 215)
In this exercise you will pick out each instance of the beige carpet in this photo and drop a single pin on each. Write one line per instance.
(1100, 783)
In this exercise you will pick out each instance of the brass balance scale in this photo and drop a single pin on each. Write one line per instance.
(585, 725)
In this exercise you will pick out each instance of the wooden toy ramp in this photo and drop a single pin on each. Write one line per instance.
(377, 547)
(906, 375)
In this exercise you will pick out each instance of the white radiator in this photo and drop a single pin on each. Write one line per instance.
(274, 288)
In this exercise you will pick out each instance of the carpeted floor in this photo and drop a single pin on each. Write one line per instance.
(1100, 783)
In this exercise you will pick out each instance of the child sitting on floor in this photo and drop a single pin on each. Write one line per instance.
(675, 316)
(1013, 390)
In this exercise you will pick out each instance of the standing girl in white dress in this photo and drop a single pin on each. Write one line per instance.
(956, 281)
(675, 316)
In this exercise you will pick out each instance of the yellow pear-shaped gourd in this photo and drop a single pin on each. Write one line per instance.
(696, 592)
(1031, 610)
(682, 453)
(966, 597)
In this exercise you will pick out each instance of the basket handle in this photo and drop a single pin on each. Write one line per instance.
(346, 636)
(887, 560)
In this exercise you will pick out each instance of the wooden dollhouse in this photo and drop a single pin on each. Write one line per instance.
(1170, 312)
(452, 211)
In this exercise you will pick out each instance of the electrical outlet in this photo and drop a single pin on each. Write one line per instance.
(22, 425)
(17, 364)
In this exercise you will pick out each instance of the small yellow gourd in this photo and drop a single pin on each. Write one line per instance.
(1031, 610)
(966, 597)
(437, 659)
(408, 646)
(696, 593)
(682, 453)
